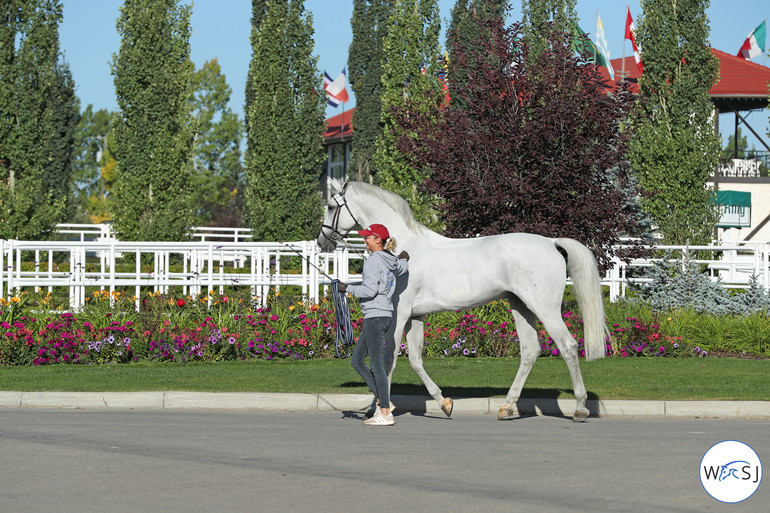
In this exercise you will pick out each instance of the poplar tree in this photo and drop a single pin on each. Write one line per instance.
(285, 126)
(365, 59)
(541, 18)
(675, 148)
(258, 10)
(466, 32)
(38, 116)
(410, 73)
(153, 125)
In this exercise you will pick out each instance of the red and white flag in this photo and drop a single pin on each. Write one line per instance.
(630, 30)
(336, 89)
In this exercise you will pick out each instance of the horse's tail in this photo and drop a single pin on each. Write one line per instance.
(584, 271)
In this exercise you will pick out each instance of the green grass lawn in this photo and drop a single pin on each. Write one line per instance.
(610, 378)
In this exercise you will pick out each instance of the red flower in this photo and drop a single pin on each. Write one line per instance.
(180, 302)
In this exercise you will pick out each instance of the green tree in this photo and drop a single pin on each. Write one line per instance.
(91, 146)
(732, 150)
(38, 115)
(466, 32)
(365, 58)
(674, 149)
(153, 125)
(217, 180)
(285, 126)
(543, 17)
(258, 11)
(410, 72)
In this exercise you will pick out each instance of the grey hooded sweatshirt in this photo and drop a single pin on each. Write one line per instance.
(379, 283)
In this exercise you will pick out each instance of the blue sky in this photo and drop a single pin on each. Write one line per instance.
(221, 28)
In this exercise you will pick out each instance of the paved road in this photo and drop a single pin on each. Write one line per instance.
(223, 461)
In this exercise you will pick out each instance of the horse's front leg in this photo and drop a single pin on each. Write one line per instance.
(415, 338)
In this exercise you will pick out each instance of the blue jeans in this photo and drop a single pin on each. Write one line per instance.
(372, 342)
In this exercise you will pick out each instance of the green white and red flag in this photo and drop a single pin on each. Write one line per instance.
(754, 44)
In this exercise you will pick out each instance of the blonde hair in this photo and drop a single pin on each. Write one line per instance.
(391, 244)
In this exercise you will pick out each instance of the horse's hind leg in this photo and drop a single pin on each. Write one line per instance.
(568, 347)
(530, 349)
(415, 338)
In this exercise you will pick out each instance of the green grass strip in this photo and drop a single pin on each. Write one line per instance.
(610, 378)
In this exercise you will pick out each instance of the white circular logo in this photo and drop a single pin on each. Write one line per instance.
(730, 471)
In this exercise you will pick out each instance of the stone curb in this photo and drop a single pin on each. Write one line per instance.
(361, 402)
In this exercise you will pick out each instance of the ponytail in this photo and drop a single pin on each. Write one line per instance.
(391, 245)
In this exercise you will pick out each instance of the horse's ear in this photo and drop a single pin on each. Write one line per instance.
(335, 186)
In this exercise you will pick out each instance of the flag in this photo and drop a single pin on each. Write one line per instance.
(630, 29)
(754, 44)
(584, 45)
(602, 46)
(336, 89)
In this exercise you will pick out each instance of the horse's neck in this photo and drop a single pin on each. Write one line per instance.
(374, 211)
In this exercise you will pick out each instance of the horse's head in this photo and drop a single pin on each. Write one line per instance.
(339, 219)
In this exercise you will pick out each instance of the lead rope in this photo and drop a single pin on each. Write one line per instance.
(343, 323)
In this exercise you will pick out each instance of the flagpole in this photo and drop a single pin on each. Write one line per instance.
(623, 62)
(344, 150)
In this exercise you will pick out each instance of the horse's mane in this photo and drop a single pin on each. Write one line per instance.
(394, 201)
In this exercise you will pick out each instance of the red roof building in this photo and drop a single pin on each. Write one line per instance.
(742, 86)
(338, 142)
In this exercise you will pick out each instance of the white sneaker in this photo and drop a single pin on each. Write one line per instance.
(380, 420)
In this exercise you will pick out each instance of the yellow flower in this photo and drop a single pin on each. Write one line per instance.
(291, 308)
(15, 299)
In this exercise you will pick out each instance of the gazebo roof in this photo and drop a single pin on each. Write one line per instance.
(743, 84)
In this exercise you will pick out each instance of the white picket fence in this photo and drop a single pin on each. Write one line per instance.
(83, 266)
(199, 267)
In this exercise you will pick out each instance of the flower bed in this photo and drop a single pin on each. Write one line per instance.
(222, 327)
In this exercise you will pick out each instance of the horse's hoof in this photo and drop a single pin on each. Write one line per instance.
(446, 406)
(580, 415)
(505, 411)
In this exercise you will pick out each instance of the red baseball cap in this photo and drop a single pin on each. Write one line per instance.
(375, 229)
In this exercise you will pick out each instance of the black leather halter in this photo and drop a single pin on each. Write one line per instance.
(335, 237)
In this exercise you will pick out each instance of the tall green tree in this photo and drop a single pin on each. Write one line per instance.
(543, 17)
(674, 149)
(258, 11)
(285, 126)
(410, 73)
(153, 126)
(38, 116)
(467, 30)
(217, 180)
(365, 59)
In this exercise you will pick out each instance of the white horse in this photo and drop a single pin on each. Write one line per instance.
(453, 274)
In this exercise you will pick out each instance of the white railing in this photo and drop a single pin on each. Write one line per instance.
(104, 231)
(734, 267)
(199, 267)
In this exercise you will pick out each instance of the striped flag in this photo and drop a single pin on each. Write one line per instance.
(754, 44)
(630, 29)
(336, 90)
